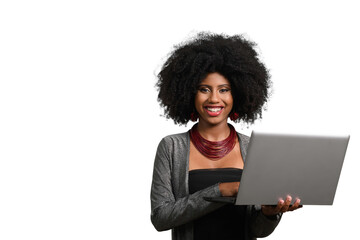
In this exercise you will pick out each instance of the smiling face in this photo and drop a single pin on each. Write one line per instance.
(213, 100)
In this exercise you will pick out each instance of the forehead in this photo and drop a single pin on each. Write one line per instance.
(215, 79)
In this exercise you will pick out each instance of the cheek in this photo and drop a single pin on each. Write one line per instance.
(198, 102)
(200, 98)
(229, 100)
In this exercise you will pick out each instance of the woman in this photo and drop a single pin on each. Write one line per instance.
(209, 79)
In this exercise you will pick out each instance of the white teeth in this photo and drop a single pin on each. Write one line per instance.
(214, 109)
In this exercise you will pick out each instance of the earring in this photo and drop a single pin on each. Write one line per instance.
(234, 116)
(194, 117)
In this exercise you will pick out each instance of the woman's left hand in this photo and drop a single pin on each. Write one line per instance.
(281, 207)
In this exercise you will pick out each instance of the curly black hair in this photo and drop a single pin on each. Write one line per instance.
(234, 57)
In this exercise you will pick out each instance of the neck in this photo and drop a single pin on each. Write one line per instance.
(216, 132)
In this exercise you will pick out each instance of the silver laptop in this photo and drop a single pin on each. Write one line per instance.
(303, 166)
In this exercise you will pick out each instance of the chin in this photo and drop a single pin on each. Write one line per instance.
(215, 121)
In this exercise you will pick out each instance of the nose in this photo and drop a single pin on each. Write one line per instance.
(214, 97)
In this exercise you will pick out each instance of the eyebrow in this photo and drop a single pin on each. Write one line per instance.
(222, 85)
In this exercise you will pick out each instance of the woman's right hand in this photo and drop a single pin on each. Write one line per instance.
(229, 189)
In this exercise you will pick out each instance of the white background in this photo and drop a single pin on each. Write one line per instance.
(80, 121)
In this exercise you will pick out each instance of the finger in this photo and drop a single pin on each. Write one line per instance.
(279, 206)
(286, 204)
(295, 206)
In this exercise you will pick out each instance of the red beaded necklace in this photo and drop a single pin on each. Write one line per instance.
(213, 150)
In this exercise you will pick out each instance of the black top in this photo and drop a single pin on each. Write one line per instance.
(227, 222)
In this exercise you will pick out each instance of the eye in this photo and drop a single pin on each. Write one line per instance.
(224, 90)
(204, 90)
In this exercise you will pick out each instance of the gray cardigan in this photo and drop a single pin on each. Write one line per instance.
(172, 207)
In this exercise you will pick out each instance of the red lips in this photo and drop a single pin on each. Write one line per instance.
(215, 110)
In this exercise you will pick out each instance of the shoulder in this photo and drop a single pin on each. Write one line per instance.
(172, 149)
(244, 139)
(178, 137)
(244, 143)
(175, 141)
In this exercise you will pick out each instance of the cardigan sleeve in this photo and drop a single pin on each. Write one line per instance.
(167, 212)
(261, 225)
